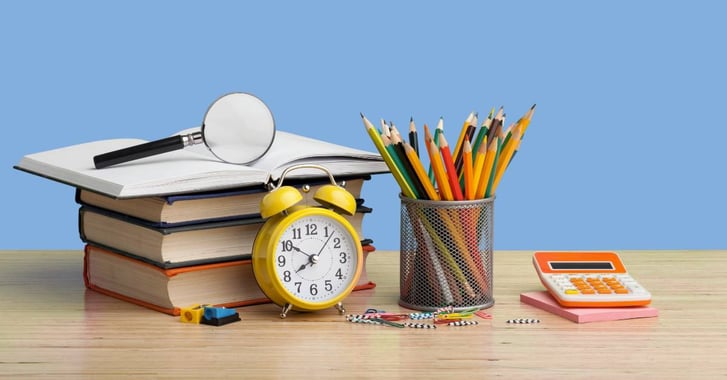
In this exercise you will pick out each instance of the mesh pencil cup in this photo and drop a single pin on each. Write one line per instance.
(446, 254)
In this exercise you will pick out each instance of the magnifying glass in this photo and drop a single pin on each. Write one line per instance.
(238, 128)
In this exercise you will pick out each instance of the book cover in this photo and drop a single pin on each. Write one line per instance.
(206, 206)
(194, 169)
(543, 300)
(172, 245)
(230, 284)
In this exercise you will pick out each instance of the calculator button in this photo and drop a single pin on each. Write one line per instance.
(572, 291)
(604, 291)
(621, 291)
(588, 291)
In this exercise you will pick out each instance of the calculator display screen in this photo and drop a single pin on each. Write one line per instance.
(583, 265)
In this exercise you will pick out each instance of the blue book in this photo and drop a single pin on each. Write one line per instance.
(202, 207)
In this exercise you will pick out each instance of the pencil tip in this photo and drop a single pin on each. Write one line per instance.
(362, 116)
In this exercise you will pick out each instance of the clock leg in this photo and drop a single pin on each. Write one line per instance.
(340, 308)
(286, 309)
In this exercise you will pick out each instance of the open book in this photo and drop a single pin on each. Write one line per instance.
(194, 168)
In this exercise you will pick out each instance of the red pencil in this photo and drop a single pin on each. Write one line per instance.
(452, 176)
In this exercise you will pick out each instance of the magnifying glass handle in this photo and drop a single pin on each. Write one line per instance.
(145, 150)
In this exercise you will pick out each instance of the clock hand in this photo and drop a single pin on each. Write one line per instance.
(326, 243)
(312, 259)
(298, 249)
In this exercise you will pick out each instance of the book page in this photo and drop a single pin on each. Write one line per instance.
(290, 149)
(194, 168)
(185, 170)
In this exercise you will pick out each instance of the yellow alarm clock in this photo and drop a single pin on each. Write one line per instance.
(307, 258)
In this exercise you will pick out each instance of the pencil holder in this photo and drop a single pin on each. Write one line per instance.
(446, 254)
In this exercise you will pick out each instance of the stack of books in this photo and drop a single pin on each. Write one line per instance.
(177, 229)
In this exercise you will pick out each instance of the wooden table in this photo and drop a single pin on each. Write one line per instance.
(53, 327)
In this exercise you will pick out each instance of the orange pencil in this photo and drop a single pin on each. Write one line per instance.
(469, 184)
(435, 160)
(451, 172)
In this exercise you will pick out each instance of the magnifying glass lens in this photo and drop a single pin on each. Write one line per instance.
(238, 128)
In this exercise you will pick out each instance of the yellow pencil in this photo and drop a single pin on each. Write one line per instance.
(469, 184)
(525, 120)
(505, 156)
(373, 134)
(462, 136)
(485, 176)
(416, 164)
(479, 164)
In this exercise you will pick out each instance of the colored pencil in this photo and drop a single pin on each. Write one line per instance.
(445, 193)
(506, 154)
(478, 166)
(462, 136)
(396, 157)
(496, 126)
(437, 132)
(413, 138)
(406, 164)
(450, 170)
(376, 139)
(469, 184)
(420, 173)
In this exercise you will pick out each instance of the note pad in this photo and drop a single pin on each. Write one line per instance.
(545, 301)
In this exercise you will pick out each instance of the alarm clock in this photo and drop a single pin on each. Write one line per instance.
(307, 257)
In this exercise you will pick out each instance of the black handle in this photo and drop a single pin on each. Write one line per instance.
(138, 151)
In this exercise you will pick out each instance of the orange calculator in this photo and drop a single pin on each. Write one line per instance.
(589, 279)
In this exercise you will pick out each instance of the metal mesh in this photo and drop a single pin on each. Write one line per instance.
(446, 254)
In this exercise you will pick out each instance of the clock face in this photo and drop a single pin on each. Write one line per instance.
(316, 258)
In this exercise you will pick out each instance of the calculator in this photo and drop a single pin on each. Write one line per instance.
(589, 279)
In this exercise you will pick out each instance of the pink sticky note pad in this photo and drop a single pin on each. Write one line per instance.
(545, 301)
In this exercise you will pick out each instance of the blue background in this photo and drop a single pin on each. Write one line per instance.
(625, 150)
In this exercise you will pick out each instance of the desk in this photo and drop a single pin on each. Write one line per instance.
(53, 327)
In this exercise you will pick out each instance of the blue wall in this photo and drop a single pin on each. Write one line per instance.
(625, 150)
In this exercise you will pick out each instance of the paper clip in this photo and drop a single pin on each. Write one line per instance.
(451, 316)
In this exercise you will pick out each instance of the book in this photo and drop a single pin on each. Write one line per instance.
(543, 300)
(195, 169)
(177, 245)
(228, 284)
(205, 206)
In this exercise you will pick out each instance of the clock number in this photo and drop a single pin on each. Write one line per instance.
(297, 286)
(311, 229)
(339, 275)
(296, 233)
(281, 261)
(313, 289)
(287, 245)
(337, 243)
(286, 276)
(343, 258)
(328, 286)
